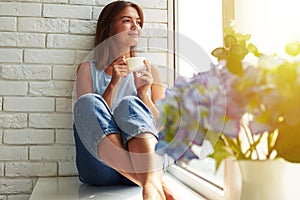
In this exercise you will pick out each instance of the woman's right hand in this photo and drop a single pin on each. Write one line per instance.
(119, 70)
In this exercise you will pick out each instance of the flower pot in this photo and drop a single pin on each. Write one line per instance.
(232, 179)
(262, 180)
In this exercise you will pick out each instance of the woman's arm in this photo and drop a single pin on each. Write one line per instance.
(157, 88)
(157, 91)
(83, 83)
(150, 80)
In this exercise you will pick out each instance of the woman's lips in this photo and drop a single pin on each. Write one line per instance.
(133, 34)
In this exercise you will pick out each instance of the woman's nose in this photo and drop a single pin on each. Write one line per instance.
(135, 25)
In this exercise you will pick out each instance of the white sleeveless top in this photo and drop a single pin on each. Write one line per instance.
(101, 80)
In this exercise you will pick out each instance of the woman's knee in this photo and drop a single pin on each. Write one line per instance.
(85, 101)
(132, 105)
(88, 103)
(91, 110)
(129, 101)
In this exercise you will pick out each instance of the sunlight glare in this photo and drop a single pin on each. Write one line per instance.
(271, 23)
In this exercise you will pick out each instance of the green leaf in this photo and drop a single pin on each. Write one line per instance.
(229, 31)
(253, 49)
(212, 137)
(220, 53)
(292, 48)
(220, 153)
(239, 51)
(229, 41)
(242, 38)
(220, 149)
(234, 65)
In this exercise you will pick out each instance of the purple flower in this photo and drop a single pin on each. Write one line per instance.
(258, 128)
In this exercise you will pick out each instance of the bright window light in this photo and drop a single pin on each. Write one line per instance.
(271, 23)
(200, 21)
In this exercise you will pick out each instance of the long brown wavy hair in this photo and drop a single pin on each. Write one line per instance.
(103, 48)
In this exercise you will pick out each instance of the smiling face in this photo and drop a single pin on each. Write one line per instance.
(126, 27)
(118, 31)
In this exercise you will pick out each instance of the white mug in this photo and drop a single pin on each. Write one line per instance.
(135, 63)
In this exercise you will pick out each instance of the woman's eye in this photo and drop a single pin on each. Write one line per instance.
(139, 23)
(126, 21)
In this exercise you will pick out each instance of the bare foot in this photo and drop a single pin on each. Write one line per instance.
(153, 192)
(168, 193)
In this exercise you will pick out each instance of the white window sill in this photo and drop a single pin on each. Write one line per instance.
(200, 186)
(69, 188)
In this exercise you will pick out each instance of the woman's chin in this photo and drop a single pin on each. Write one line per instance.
(133, 41)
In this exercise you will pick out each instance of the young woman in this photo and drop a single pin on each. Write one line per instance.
(115, 113)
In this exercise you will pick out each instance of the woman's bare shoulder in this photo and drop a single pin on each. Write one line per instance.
(83, 66)
(83, 79)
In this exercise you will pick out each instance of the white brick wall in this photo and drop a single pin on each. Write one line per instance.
(48, 56)
(1, 138)
(15, 186)
(23, 104)
(26, 72)
(64, 136)
(20, 9)
(67, 11)
(22, 39)
(13, 88)
(13, 120)
(28, 136)
(9, 55)
(43, 25)
(11, 153)
(30, 169)
(1, 170)
(69, 41)
(41, 44)
(67, 168)
(8, 23)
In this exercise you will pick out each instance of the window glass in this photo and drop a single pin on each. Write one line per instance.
(201, 22)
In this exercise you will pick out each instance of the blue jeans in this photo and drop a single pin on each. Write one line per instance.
(93, 121)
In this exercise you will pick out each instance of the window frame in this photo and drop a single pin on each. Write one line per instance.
(202, 186)
(197, 183)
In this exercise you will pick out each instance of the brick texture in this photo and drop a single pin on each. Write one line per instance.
(28, 136)
(43, 25)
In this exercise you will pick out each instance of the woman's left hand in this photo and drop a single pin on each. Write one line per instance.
(143, 80)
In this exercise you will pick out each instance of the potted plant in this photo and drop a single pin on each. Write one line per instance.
(246, 110)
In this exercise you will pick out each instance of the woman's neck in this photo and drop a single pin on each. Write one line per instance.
(120, 49)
